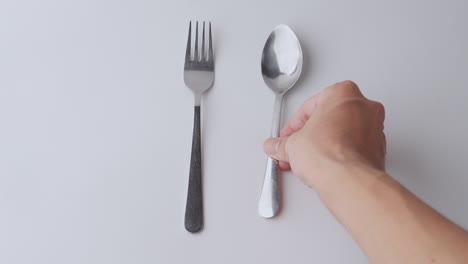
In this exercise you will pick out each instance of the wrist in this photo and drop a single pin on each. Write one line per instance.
(337, 177)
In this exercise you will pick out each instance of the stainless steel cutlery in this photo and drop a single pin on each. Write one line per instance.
(199, 77)
(281, 68)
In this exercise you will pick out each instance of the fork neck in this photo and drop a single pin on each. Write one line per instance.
(197, 97)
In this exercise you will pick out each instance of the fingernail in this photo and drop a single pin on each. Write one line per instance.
(272, 145)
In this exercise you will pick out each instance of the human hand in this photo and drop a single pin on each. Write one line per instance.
(336, 129)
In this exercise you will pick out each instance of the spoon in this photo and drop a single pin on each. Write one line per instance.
(281, 68)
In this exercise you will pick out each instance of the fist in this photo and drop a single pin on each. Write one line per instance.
(336, 129)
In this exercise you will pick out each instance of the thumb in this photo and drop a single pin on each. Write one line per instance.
(276, 148)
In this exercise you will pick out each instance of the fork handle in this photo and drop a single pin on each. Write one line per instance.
(194, 206)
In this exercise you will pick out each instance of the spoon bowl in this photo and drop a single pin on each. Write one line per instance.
(281, 59)
(281, 68)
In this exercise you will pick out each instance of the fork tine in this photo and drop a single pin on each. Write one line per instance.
(203, 51)
(188, 56)
(189, 43)
(210, 45)
(196, 43)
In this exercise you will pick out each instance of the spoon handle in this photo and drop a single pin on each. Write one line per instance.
(194, 206)
(269, 199)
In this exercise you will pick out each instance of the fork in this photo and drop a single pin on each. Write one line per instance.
(199, 77)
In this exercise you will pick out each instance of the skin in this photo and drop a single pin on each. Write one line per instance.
(335, 144)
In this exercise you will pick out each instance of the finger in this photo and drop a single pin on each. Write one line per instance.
(384, 139)
(284, 166)
(275, 148)
(380, 109)
(300, 117)
(384, 150)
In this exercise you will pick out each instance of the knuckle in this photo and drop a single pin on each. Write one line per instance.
(349, 87)
(379, 108)
(345, 88)
(348, 84)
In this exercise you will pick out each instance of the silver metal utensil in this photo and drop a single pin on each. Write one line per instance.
(199, 77)
(281, 68)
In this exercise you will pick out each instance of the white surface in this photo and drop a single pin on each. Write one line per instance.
(96, 124)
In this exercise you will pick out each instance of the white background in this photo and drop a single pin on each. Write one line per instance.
(96, 124)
